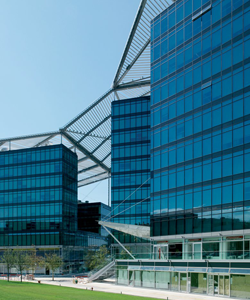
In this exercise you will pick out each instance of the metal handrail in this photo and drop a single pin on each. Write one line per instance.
(101, 271)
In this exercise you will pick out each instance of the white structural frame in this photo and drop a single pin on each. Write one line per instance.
(89, 133)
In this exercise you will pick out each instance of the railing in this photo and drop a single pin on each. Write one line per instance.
(105, 263)
(102, 271)
(190, 255)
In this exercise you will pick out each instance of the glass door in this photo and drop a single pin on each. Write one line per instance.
(224, 285)
(221, 285)
(183, 282)
(197, 253)
(174, 281)
(218, 285)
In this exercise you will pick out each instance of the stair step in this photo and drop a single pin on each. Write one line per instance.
(105, 272)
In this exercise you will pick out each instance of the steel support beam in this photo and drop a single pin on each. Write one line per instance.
(45, 140)
(88, 169)
(133, 62)
(94, 128)
(88, 109)
(130, 39)
(103, 142)
(109, 190)
(92, 177)
(117, 96)
(96, 148)
(95, 181)
(25, 137)
(82, 159)
(132, 85)
(124, 248)
(82, 133)
(106, 156)
(85, 152)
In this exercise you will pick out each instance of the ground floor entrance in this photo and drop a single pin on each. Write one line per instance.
(213, 284)
(218, 285)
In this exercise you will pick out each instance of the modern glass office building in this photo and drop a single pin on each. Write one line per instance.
(130, 163)
(38, 196)
(200, 151)
(200, 111)
(89, 214)
(38, 204)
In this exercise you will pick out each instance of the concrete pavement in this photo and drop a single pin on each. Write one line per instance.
(110, 287)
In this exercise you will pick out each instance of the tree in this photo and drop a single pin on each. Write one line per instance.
(53, 262)
(89, 258)
(124, 254)
(8, 259)
(96, 258)
(102, 254)
(20, 261)
(33, 261)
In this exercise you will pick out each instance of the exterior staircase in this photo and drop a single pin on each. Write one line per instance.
(105, 272)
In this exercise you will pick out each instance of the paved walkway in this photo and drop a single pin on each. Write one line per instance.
(110, 287)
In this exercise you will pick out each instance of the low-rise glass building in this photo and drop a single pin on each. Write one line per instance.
(38, 204)
(198, 277)
(38, 196)
(89, 213)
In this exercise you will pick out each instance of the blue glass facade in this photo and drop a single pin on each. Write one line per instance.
(130, 163)
(38, 196)
(200, 118)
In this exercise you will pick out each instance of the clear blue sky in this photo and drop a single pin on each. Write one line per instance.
(56, 57)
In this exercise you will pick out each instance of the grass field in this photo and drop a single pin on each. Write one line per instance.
(34, 291)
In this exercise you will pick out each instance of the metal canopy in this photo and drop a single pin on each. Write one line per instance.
(89, 133)
(135, 230)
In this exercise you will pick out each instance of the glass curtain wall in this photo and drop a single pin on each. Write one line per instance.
(200, 110)
(38, 196)
(130, 182)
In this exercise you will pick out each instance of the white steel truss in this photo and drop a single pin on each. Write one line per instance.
(89, 133)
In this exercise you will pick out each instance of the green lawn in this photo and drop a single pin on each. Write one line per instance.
(34, 291)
